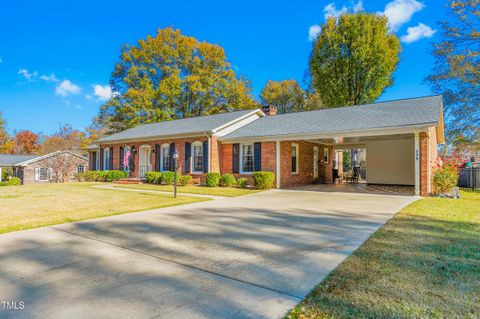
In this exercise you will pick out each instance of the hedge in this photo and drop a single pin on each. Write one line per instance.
(14, 181)
(104, 176)
(185, 180)
(153, 177)
(212, 179)
(263, 180)
(243, 182)
(167, 178)
(228, 180)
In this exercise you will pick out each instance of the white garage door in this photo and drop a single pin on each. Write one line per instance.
(391, 161)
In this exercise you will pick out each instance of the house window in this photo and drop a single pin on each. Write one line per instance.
(247, 158)
(43, 176)
(80, 169)
(326, 154)
(197, 149)
(294, 158)
(165, 158)
(106, 159)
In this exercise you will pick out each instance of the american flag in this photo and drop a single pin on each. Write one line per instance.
(126, 157)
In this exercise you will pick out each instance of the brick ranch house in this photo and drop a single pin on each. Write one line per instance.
(54, 166)
(400, 138)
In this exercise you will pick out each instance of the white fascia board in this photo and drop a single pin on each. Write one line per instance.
(48, 156)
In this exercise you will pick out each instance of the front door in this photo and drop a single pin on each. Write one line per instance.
(144, 159)
(315, 162)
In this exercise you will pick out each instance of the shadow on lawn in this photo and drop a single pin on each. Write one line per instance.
(414, 267)
(158, 262)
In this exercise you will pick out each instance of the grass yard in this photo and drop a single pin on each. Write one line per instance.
(192, 189)
(30, 206)
(424, 263)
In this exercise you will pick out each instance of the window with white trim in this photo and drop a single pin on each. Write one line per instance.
(197, 157)
(165, 157)
(295, 158)
(326, 154)
(80, 169)
(246, 158)
(43, 175)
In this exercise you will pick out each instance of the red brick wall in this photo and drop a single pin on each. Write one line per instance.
(428, 156)
(305, 171)
(179, 146)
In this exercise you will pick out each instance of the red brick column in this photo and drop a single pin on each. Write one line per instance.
(424, 163)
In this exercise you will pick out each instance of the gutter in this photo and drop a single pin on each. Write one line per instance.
(332, 134)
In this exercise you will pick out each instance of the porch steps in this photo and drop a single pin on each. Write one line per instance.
(129, 180)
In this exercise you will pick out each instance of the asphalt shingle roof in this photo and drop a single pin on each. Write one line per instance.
(389, 114)
(177, 127)
(9, 160)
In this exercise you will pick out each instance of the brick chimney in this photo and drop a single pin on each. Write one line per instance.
(269, 109)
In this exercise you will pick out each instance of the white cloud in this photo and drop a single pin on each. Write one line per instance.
(27, 75)
(399, 12)
(416, 33)
(66, 88)
(313, 32)
(49, 78)
(330, 10)
(103, 92)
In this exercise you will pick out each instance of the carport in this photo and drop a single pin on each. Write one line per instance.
(400, 138)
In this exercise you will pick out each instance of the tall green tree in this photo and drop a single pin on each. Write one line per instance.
(456, 72)
(353, 59)
(286, 95)
(6, 142)
(171, 76)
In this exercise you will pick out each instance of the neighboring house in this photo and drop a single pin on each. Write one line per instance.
(59, 166)
(400, 138)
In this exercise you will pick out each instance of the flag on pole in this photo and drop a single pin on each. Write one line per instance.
(126, 157)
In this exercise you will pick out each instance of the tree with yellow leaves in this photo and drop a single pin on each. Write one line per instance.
(170, 76)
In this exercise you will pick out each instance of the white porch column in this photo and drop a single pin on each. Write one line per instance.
(278, 164)
(417, 163)
(0, 173)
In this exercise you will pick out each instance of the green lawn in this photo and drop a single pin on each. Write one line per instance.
(192, 189)
(424, 263)
(30, 206)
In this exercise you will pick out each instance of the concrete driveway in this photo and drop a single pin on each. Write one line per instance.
(254, 256)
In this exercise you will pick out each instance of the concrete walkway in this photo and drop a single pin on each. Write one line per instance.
(152, 191)
(252, 256)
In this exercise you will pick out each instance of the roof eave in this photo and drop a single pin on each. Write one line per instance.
(344, 133)
(156, 137)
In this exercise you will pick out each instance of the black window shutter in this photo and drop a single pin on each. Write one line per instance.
(157, 157)
(94, 161)
(188, 151)
(121, 155)
(205, 157)
(235, 158)
(101, 158)
(110, 164)
(257, 157)
(171, 151)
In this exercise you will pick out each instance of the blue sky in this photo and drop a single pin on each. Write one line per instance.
(57, 56)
